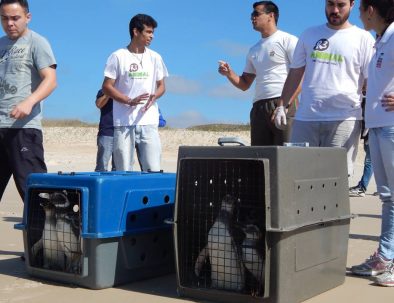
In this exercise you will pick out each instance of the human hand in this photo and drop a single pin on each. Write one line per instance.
(21, 110)
(138, 100)
(152, 99)
(224, 68)
(388, 102)
(280, 117)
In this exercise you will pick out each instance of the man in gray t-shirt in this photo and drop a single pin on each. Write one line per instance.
(27, 76)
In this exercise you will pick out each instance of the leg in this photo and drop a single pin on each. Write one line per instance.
(343, 134)
(367, 173)
(27, 156)
(305, 131)
(260, 134)
(382, 155)
(149, 147)
(123, 150)
(263, 131)
(104, 152)
(5, 168)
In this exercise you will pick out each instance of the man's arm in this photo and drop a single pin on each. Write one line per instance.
(110, 90)
(290, 91)
(102, 101)
(44, 89)
(292, 86)
(160, 90)
(242, 82)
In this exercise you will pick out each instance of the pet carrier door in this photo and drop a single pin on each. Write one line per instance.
(220, 225)
(54, 230)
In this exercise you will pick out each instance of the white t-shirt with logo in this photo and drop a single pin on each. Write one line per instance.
(336, 65)
(134, 75)
(380, 81)
(269, 60)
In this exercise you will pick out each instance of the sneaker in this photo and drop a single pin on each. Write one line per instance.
(373, 266)
(387, 278)
(356, 191)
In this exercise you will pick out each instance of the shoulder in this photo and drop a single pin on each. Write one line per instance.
(255, 47)
(120, 52)
(153, 53)
(155, 56)
(364, 36)
(286, 35)
(38, 39)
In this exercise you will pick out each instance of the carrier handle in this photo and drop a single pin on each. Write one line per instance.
(231, 140)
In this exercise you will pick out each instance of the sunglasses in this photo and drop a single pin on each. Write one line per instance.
(256, 14)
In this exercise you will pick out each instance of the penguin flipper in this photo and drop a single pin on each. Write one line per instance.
(200, 261)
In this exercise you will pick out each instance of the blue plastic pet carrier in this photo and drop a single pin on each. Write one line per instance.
(98, 230)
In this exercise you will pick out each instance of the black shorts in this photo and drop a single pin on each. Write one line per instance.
(21, 153)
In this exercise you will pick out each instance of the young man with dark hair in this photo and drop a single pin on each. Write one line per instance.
(134, 79)
(27, 76)
(268, 63)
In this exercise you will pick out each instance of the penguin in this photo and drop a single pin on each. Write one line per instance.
(67, 230)
(227, 271)
(251, 256)
(53, 256)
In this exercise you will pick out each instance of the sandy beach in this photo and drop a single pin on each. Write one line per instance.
(70, 149)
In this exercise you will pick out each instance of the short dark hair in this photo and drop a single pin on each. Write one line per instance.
(22, 3)
(138, 22)
(385, 8)
(269, 7)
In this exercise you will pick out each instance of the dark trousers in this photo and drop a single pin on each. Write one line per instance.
(263, 132)
(21, 153)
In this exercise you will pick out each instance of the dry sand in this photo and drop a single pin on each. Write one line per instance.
(74, 149)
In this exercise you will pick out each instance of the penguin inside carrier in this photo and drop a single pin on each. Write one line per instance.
(233, 252)
(54, 230)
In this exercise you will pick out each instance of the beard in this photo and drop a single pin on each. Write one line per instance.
(338, 21)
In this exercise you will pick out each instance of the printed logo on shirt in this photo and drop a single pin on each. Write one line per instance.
(318, 55)
(14, 52)
(133, 67)
(272, 53)
(379, 61)
(6, 88)
(138, 75)
(321, 45)
(135, 74)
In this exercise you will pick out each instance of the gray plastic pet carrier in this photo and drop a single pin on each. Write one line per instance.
(260, 223)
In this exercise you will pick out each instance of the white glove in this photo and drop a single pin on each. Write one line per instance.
(280, 118)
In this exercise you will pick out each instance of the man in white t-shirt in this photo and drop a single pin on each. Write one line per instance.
(332, 59)
(268, 61)
(134, 79)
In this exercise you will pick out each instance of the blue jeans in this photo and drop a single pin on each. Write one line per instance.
(367, 173)
(145, 139)
(381, 142)
(104, 152)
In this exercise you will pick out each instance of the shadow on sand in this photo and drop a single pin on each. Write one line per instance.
(162, 286)
(364, 237)
(12, 219)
